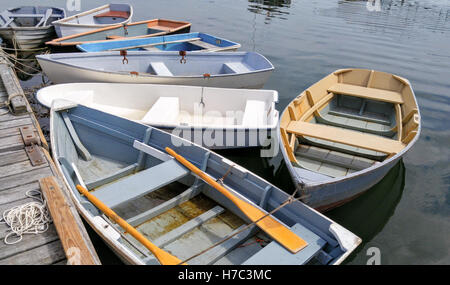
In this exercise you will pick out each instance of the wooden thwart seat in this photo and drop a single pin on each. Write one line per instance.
(344, 136)
(117, 14)
(274, 253)
(140, 184)
(366, 92)
(203, 44)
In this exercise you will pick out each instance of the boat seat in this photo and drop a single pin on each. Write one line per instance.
(354, 123)
(160, 68)
(334, 158)
(254, 113)
(116, 14)
(151, 48)
(203, 44)
(45, 18)
(165, 111)
(339, 135)
(276, 254)
(113, 37)
(366, 92)
(235, 67)
(343, 148)
(9, 21)
(140, 184)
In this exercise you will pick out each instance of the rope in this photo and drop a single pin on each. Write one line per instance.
(29, 218)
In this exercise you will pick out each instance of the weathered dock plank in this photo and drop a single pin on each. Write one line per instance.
(46, 254)
(18, 176)
(65, 222)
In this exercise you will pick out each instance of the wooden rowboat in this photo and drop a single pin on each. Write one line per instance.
(104, 16)
(137, 30)
(179, 42)
(220, 69)
(344, 133)
(125, 167)
(217, 118)
(29, 27)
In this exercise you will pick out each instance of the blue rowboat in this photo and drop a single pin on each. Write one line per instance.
(186, 42)
(124, 164)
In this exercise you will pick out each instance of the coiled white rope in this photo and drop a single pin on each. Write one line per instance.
(29, 218)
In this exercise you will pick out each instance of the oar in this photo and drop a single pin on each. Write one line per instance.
(268, 224)
(164, 257)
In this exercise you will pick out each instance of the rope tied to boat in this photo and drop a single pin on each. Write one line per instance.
(29, 218)
(220, 180)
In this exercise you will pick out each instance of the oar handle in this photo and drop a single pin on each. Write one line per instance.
(164, 257)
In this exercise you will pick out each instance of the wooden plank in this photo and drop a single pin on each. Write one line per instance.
(46, 254)
(368, 93)
(314, 109)
(28, 242)
(65, 223)
(274, 253)
(11, 143)
(140, 184)
(155, 211)
(18, 122)
(156, 44)
(12, 86)
(352, 138)
(12, 157)
(24, 178)
(398, 117)
(188, 226)
(16, 193)
(17, 168)
(221, 250)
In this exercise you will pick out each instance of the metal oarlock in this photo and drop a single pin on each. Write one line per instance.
(124, 54)
(182, 53)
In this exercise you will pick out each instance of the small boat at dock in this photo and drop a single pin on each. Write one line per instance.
(344, 133)
(137, 30)
(155, 198)
(29, 27)
(178, 42)
(248, 70)
(217, 118)
(100, 17)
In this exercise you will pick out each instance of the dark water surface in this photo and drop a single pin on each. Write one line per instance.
(407, 215)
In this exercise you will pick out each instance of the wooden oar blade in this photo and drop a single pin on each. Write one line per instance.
(269, 224)
(273, 228)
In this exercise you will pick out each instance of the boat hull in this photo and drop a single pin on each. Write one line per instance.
(27, 38)
(330, 195)
(250, 187)
(65, 28)
(325, 192)
(65, 73)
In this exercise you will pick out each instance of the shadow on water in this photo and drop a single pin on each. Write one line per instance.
(367, 215)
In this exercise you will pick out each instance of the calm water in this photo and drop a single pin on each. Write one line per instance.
(407, 215)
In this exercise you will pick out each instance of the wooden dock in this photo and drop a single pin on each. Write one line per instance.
(25, 164)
